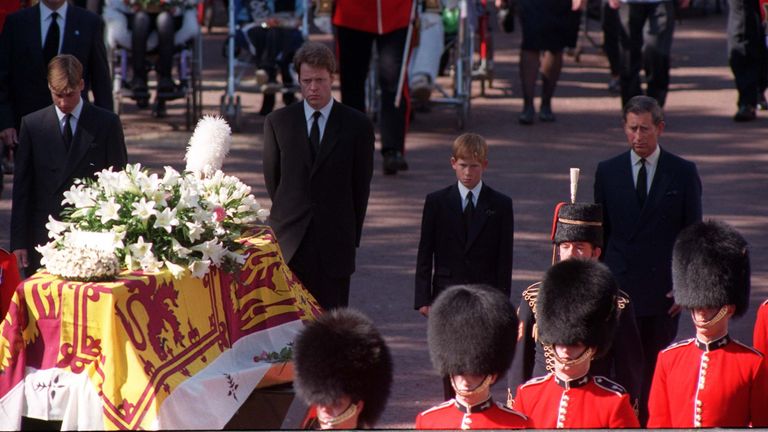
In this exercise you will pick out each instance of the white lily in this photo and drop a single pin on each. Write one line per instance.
(199, 268)
(166, 220)
(176, 270)
(212, 250)
(108, 210)
(140, 248)
(144, 209)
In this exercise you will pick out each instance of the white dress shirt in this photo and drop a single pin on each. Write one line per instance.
(45, 22)
(463, 190)
(651, 162)
(322, 121)
(73, 120)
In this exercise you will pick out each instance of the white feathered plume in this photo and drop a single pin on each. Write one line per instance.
(209, 145)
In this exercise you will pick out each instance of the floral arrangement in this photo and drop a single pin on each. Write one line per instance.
(84, 264)
(184, 222)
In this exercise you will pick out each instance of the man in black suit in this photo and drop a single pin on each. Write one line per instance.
(31, 37)
(57, 144)
(648, 195)
(318, 177)
(467, 231)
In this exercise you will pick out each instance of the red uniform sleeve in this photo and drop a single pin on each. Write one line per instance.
(518, 403)
(760, 336)
(759, 396)
(658, 401)
(624, 416)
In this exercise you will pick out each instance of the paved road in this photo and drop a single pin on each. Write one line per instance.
(528, 163)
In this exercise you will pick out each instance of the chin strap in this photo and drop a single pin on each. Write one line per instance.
(469, 393)
(587, 355)
(332, 422)
(715, 319)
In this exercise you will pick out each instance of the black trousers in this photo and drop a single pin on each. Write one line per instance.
(354, 57)
(646, 41)
(656, 333)
(611, 27)
(141, 24)
(746, 49)
(330, 292)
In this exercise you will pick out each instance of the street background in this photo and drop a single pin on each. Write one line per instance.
(529, 163)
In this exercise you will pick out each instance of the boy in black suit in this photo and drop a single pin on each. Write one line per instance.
(466, 231)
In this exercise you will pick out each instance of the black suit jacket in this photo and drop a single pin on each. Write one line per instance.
(23, 80)
(449, 257)
(44, 170)
(329, 196)
(639, 241)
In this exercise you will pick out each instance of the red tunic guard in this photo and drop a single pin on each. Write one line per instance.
(760, 337)
(9, 280)
(587, 402)
(486, 415)
(720, 384)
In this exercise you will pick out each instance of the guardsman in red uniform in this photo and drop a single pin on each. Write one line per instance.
(472, 332)
(343, 371)
(576, 318)
(760, 337)
(710, 380)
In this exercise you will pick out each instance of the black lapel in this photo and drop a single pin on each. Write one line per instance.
(453, 202)
(299, 132)
(34, 39)
(82, 141)
(72, 35)
(482, 208)
(55, 147)
(661, 179)
(330, 135)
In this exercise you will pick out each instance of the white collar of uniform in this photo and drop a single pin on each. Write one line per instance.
(463, 190)
(75, 112)
(652, 159)
(45, 12)
(325, 111)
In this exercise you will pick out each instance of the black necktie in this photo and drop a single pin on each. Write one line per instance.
(314, 135)
(469, 209)
(68, 131)
(642, 183)
(51, 45)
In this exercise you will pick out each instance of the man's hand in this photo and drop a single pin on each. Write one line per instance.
(424, 310)
(676, 308)
(21, 257)
(614, 4)
(9, 137)
(684, 4)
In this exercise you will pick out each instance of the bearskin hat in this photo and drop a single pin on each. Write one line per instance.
(342, 354)
(710, 267)
(472, 329)
(578, 222)
(577, 303)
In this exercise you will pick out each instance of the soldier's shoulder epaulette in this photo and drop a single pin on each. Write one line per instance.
(510, 410)
(609, 385)
(680, 344)
(530, 295)
(443, 405)
(536, 381)
(747, 347)
(622, 300)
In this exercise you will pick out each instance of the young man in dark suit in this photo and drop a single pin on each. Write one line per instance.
(648, 195)
(30, 39)
(467, 231)
(318, 177)
(67, 140)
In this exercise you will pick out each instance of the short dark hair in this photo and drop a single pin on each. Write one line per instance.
(641, 105)
(64, 73)
(315, 54)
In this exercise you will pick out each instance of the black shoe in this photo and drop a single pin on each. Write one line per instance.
(546, 114)
(390, 163)
(139, 88)
(159, 110)
(745, 113)
(165, 85)
(402, 165)
(526, 117)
